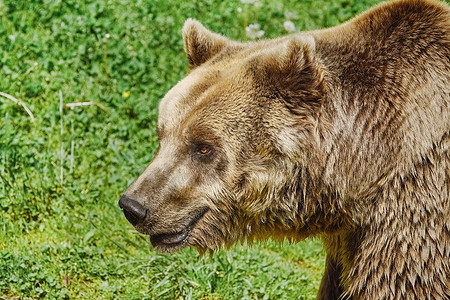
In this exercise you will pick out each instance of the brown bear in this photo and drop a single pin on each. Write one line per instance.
(341, 133)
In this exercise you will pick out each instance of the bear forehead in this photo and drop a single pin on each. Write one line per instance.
(211, 91)
(225, 87)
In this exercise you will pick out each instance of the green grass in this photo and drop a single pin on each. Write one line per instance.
(62, 235)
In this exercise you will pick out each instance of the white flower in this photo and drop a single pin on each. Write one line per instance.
(12, 37)
(289, 26)
(239, 9)
(252, 31)
(291, 15)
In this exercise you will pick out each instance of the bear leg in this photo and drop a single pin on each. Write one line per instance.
(330, 288)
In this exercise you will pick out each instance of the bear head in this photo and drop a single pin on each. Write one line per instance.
(235, 138)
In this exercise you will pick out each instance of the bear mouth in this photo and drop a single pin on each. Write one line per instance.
(170, 242)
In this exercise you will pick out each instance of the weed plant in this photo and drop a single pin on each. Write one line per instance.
(92, 74)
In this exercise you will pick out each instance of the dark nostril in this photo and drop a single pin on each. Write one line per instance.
(133, 210)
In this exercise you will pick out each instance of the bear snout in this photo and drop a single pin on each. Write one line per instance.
(133, 210)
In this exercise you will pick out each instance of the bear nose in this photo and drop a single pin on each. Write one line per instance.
(133, 210)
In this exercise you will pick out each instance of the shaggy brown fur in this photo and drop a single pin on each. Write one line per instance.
(342, 133)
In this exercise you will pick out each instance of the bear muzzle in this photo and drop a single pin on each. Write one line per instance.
(169, 241)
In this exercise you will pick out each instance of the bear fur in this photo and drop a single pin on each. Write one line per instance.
(341, 133)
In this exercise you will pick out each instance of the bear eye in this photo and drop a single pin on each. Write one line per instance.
(204, 150)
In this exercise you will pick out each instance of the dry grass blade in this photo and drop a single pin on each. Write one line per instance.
(75, 104)
(19, 102)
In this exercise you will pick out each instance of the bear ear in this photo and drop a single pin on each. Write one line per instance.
(298, 75)
(201, 44)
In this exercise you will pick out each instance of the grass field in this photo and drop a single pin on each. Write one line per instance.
(62, 234)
